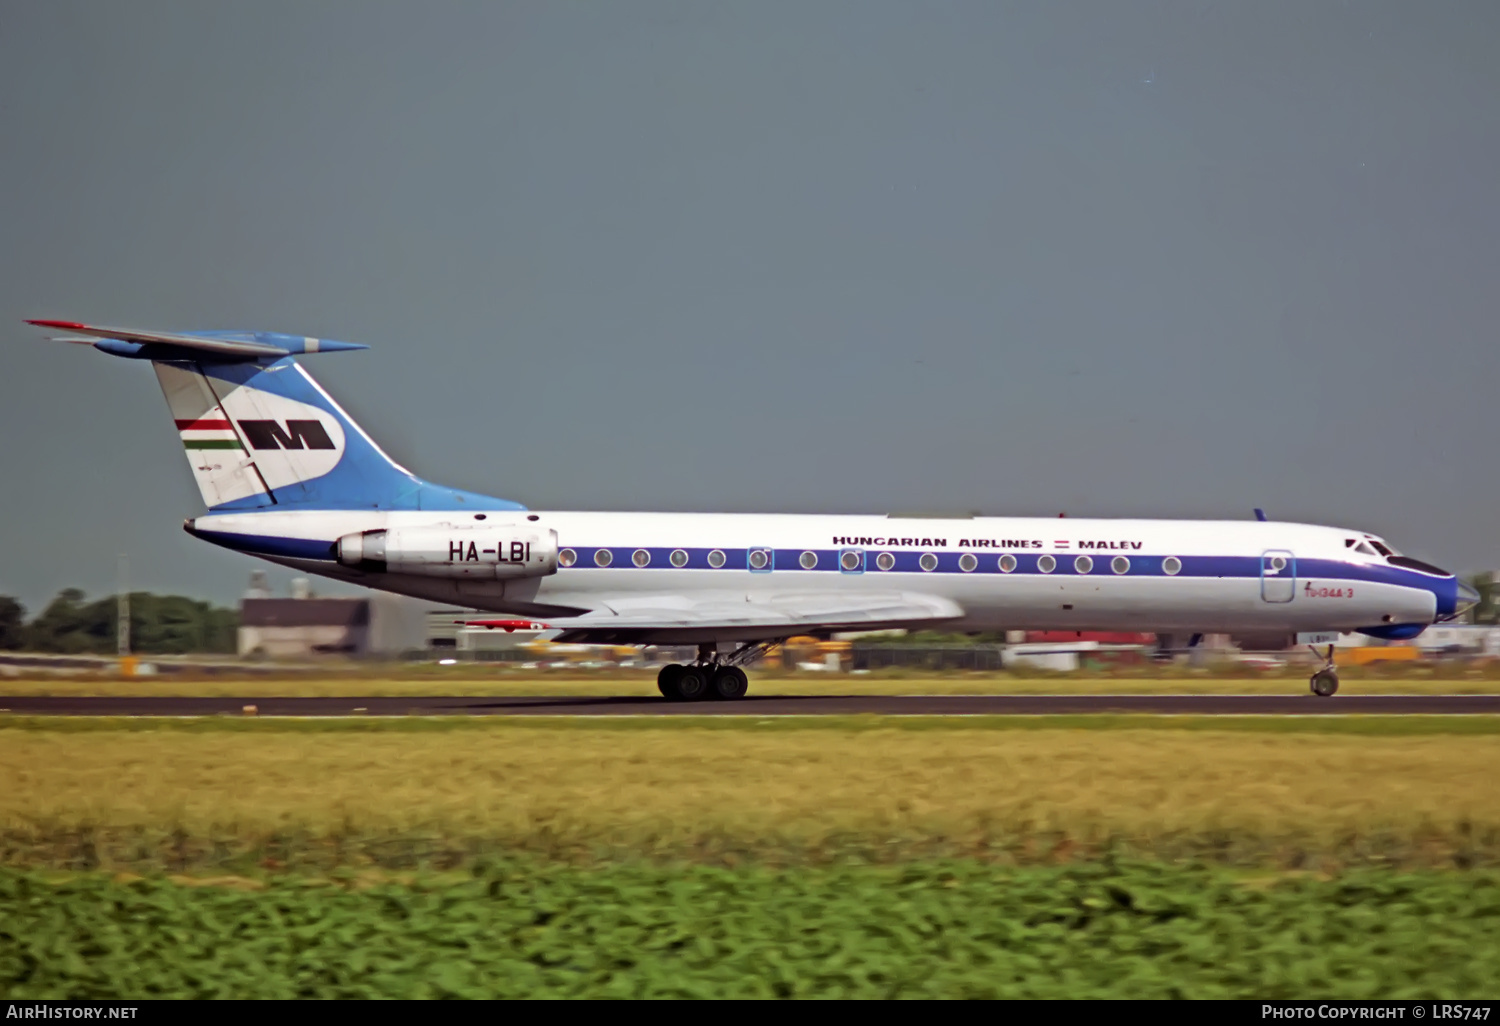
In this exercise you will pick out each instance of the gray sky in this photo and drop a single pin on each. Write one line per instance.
(1120, 259)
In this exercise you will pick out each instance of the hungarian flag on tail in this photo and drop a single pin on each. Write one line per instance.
(208, 434)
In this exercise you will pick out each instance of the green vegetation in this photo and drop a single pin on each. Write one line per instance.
(159, 625)
(12, 624)
(956, 929)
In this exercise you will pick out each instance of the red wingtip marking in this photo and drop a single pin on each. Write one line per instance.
(65, 325)
(508, 625)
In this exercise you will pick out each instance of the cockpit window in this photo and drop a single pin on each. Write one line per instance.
(1370, 545)
(1416, 564)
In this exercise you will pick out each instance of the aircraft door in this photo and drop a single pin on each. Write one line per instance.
(1278, 576)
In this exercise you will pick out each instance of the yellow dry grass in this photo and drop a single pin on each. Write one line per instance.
(673, 789)
(643, 685)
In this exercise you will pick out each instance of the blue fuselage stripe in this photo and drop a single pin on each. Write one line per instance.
(1445, 589)
(1065, 563)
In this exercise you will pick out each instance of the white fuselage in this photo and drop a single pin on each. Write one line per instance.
(1004, 572)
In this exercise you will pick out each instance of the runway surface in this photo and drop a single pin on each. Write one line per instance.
(770, 705)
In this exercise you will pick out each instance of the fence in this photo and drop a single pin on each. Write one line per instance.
(926, 657)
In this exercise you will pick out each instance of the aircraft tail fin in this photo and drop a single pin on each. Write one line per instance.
(260, 433)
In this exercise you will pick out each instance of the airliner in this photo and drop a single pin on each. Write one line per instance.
(287, 476)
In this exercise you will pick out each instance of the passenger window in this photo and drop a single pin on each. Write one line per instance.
(852, 560)
(807, 560)
(567, 557)
(967, 562)
(885, 561)
(1007, 563)
(640, 557)
(928, 562)
(716, 559)
(1083, 564)
(1046, 564)
(760, 559)
(1120, 565)
(602, 557)
(1171, 566)
(679, 558)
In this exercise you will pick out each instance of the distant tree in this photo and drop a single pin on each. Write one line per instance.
(221, 630)
(1487, 609)
(174, 625)
(12, 624)
(71, 626)
(159, 625)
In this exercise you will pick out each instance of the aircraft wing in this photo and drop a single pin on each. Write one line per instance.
(669, 619)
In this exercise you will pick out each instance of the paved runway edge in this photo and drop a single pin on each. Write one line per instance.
(769, 705)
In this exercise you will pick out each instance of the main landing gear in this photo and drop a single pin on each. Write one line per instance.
(1325, 682)
(708, 677)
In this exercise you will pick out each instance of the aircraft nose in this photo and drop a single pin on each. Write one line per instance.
(1468, 598)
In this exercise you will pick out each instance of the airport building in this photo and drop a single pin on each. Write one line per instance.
(289, 628)
(307, 626)
(1475, 639)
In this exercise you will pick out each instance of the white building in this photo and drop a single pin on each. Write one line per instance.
(1467, 638)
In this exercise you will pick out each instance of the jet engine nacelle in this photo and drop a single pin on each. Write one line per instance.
(483, 551)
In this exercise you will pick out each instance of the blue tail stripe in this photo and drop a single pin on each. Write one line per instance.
(365, 477)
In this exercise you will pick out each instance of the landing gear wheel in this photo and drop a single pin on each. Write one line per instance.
(692, 684)
(666, 681)
(730, 683)
(1324, 683)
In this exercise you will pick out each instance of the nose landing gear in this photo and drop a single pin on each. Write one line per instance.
(1325, 682)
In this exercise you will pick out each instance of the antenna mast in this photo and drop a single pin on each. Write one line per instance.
(122, 605)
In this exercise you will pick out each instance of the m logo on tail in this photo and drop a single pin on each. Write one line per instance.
(248, 441)
(298, 434)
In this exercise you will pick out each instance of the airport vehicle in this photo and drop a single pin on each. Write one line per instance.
(289, 477)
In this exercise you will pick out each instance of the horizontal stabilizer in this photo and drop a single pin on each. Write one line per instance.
(259, 433)
(166, 345)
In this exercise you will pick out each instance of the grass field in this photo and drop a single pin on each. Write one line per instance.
(320, 794)
(643, 684)
(1090, 856)
(955, 929)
